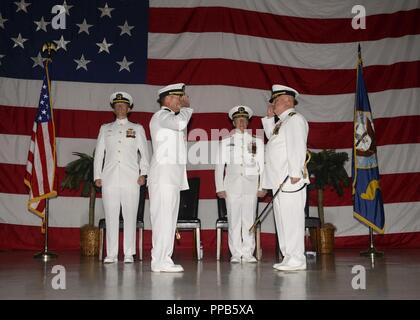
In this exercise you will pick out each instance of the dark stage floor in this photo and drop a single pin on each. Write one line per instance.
(395, 276)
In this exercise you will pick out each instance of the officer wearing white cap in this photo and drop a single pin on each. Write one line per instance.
(285, 162)
(120, 172)
(168, 174)
(237, 176)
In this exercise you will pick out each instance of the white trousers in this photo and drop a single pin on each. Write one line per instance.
(289, 213)
(164, 207)
(128, 198)
(241, 215)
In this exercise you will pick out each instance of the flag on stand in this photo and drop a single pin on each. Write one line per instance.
(368, 206)
(41, 164)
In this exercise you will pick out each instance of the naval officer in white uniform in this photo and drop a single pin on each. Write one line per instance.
(285, 158)
(120, 166)
(168, 174)
(237, 176)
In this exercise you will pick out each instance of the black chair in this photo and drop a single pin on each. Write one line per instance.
(139, 225)
(312, 223)
(222, 224)
(188, 213)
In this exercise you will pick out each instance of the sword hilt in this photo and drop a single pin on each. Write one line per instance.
(254, 226)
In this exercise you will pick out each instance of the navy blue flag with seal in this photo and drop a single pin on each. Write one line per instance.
(368, 206)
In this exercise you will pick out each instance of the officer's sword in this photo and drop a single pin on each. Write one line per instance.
(269, 206)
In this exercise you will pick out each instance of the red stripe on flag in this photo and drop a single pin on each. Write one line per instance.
(34, 182)
(267, 25)
(338, 135)
(306, 81)
(391, 185)
(15, 237)
(31, 176)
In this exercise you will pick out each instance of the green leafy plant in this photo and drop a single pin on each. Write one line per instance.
(79, 176)
(327, 167)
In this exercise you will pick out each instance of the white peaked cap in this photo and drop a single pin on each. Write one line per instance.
(240, 111)
(278, 90)
(121, 96)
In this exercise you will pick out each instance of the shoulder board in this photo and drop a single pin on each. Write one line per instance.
(291, 114)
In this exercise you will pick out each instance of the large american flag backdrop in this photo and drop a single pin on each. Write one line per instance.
(228, 53)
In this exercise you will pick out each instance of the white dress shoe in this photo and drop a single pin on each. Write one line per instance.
(110, 260)
(128, 259)
(282, 263)
(249, 259)
(168, 268)
(235, 260)
(287, 267)
(276, 265)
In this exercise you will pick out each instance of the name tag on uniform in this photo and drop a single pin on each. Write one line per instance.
(130, 133)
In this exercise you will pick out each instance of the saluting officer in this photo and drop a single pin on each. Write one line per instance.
(237, 176)
(285, 162)
(120, 171)
(168, 174)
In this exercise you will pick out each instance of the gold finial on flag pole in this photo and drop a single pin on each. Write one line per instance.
(49, 49)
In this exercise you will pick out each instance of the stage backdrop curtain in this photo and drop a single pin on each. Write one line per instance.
(228, 53)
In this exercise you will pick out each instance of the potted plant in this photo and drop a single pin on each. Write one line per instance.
(79, 176)
(327, 169)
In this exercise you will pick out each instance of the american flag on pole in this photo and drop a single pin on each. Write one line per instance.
(40, 168)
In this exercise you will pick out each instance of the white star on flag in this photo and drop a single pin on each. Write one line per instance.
(105, 11)
(84, 26)
(61, 43)
(67, 7)
(103, 46)
(2, 21)
(38, 60)
(41, 24)
(19, 41)
(125, 29)
(124, 64)
(21, 6)
(81, 63)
